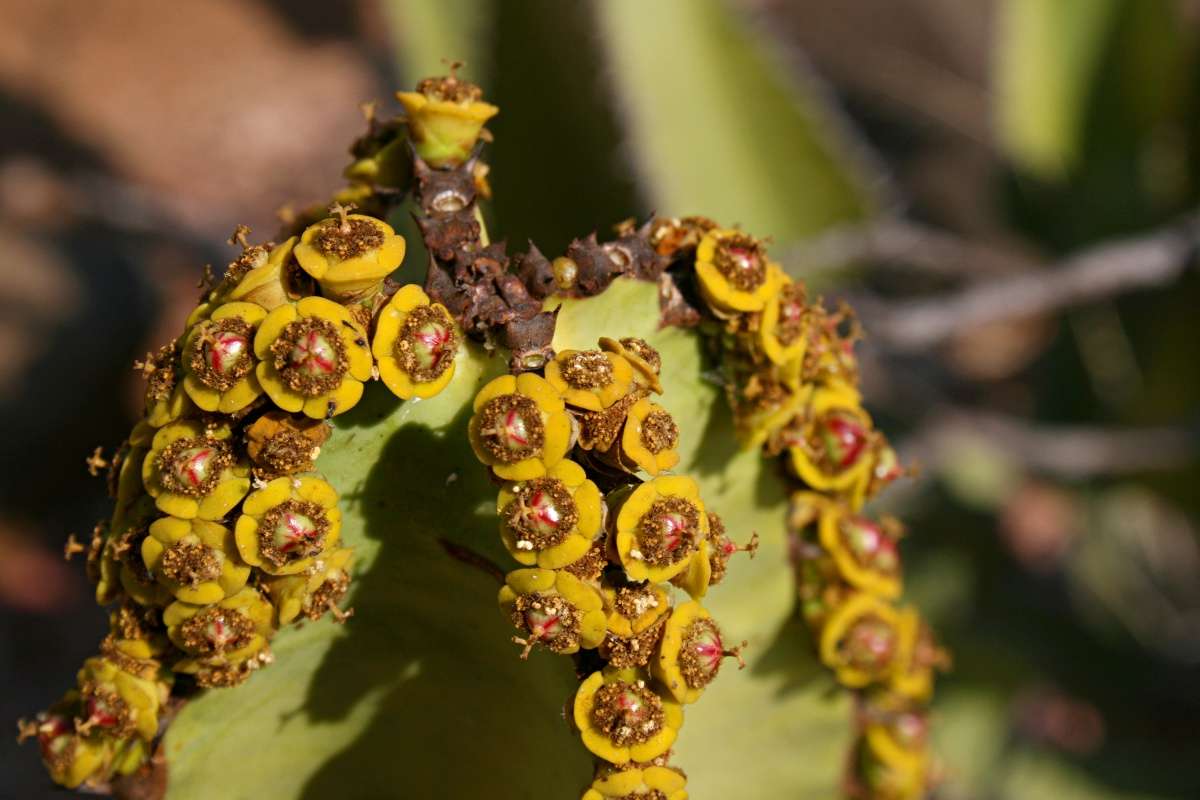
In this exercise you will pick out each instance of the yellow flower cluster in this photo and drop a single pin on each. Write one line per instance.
(792, 382)
(222, 531)
(599, 568)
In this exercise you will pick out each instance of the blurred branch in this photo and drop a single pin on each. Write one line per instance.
(1152, 260)
(1068, 451)
(902, 243)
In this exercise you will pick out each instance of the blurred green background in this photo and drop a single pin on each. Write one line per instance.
(1006, 189)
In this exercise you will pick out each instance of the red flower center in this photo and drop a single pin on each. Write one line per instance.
(844, 438)
(225, 351)
(193, 466)
(313, 354)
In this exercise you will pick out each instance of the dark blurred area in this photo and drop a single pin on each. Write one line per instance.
(1055, 542)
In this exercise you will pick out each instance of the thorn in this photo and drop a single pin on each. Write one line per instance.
(72, 547)
(240, 232)
(96, 462)
(342, 210)
(340, 616)
(26, 729)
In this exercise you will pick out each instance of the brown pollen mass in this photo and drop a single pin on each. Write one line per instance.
(741, 260)
(296, 377)
(348, 238)
(252, 257)
(409, 341)
(190, 564)
(599, 429)
(451, 89)
(659, 432)
(587, 369)
(169, 465)
(224, 677)
(718, 554)
(633, 651)
(127, 549)
(495, 428)
(59, 759)
(202, 356)
(282, 444)
(309, 545)
(659, 526)
(235, 630)
(147, 669)
(590, 565)
(284, 453)
(633, 601)
(159, 370)
(627, 713)
(643, 350)
(326, 596)
(524, 511)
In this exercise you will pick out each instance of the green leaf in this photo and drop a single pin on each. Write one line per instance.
(719, 127)
(421, 694)
(428, 33)
(1048, 54)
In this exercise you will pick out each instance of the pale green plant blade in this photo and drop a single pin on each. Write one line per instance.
(1047, 54)
(429, 32)
(719, 126)
(422, 695)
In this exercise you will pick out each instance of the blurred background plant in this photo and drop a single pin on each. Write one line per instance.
(1006, 190)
